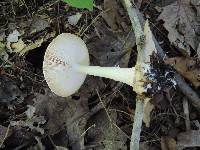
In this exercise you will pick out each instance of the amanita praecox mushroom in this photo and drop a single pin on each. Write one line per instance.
(66, 64)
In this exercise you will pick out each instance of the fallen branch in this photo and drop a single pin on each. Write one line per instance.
(135, 137)
(142, 66)
(183, 86)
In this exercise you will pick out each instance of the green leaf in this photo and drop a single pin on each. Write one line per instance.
(80, 3)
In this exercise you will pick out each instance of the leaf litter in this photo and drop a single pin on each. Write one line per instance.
(181, 20)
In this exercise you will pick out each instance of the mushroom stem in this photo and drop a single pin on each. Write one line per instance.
(125, 75)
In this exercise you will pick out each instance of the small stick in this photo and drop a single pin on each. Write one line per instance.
(186, 112)
(6, 135)
(142, 57)
(135, 137)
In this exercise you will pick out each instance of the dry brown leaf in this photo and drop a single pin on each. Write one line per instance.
(111, 48)
(105, 131)
(113, 16)
(189, 139)
(168, 143)
(9, 91)
(181, 21)
(37, 43)
(39, 23)
(63, 114)
(12, 37)
(187, 67)
(111, 13)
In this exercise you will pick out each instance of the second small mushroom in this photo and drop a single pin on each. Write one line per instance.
(66, 64)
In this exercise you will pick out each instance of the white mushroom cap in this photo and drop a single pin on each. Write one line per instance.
(62, 54)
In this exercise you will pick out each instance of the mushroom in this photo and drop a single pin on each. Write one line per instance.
(66, 64)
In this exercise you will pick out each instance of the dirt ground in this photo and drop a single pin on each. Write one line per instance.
(100, 115)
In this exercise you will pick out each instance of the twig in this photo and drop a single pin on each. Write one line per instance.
(187, 115)
(6, 135)
(92, 126)
(135, 137)
(139, 74)
(188, 91)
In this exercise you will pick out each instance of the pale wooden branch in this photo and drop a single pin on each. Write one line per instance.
(135, 137)
(139, 74)
(187, 114)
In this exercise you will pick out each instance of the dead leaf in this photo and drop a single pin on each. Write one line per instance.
(187, 67)
(181, 23)
(189, 139)
(12, 37)
(105, 131)
(33, 28)
(30, 111)
(9, 91)
(2, 36)
(3, 54)
(113, 16)
(168, 143)
(73, 20)
(18, 46)
(63, 113)
(34, 44)
(30, 124)
(39, 23)
(111, 48)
